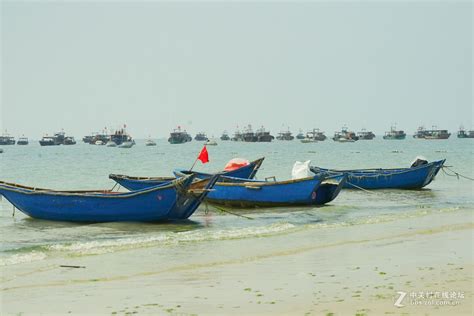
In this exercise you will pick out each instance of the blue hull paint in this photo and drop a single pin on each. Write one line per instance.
(170, 201)
(330, 189)
(140, 183)
(136, 184)
(244, 193)
(403, 178)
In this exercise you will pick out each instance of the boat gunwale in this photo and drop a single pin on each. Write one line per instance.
(257, 164)
(90, 193)
(258, 183)
(380, 171)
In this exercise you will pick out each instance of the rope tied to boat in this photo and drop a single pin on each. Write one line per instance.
(231, 213)
(360, 188)
(455, 173)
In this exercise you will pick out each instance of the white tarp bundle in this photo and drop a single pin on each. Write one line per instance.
(301, 170)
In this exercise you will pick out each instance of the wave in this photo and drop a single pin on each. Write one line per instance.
(109, 245)
(97, 247)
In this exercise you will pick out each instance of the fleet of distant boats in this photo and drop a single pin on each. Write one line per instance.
(120, 138)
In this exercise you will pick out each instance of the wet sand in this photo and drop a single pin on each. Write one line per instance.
(351, 270)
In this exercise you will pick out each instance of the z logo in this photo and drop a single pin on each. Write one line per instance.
(398, 302)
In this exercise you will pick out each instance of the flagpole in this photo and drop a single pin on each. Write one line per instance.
(193, 164)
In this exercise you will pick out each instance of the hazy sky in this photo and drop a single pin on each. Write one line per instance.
(216, 65)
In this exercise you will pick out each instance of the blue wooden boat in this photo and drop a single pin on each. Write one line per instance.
(401, 178)
(139, 183)
(237, 192)
(168, 201)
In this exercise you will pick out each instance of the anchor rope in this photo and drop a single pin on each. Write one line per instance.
(231, 213)
(114, 186)
(455, 173)
(360, 188)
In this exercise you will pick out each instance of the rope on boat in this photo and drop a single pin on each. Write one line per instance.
(360, 188)
(231, 213)
(455, 174)
(114, 186)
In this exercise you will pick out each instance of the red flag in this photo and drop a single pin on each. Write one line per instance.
(204, 156)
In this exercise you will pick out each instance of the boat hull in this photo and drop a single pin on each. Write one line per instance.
(170, 201)
(42, 143)
(236, 192)
(400, 137)
(403, 178)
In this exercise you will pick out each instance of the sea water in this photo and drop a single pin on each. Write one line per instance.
(85, 166)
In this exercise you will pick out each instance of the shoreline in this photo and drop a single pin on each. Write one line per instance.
(347, 270)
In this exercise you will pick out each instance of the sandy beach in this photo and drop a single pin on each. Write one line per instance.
(352, 270)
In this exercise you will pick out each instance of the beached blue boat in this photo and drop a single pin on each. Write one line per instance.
(168, 201)
(236, 192)
(139, 183)
(402, 178)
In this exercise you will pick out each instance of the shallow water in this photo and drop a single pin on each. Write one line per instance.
(86, 166)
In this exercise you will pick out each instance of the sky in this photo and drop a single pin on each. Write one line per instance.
(214, 66)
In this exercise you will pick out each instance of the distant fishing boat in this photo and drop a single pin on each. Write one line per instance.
(48, 141)
(6, 139)
(105, 137)
(127, 144)
(300, 135)
(394, 134)
(263, 135)
(285, 135)
(365, 135)
(308, 140)
(88, 139)
(314, 136)
(462, 133)
(238, 136)
(121, 136)
(346, 140)
(345, 136)
(100, 139)
(415, 177)
(246, 171)
(150, 142)
(59, 138)
(248, 135)
(433, 133)
(110, 143)
(437, 134)
(170, 201)
(69, 141)
(1, 150)
(237, 192)
(201, 137)
(225, 136)
(179, 136)
(211, 143)
(22, 141)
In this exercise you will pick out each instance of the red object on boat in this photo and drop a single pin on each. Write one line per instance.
(204, 155)
(236, 163)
